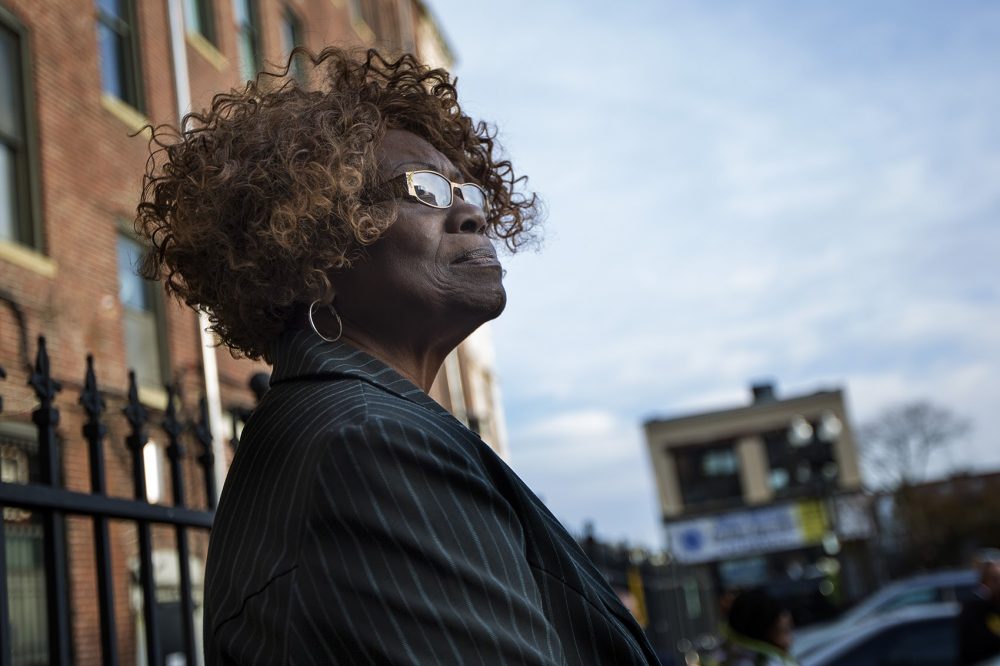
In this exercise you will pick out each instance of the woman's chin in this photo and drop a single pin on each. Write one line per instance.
(497, 304)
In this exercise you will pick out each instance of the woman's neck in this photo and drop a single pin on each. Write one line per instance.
(419, 366)
(417, 360)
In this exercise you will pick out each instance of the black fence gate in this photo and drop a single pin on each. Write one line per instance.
(52, 502)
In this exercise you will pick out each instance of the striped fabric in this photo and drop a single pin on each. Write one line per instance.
(362, 524)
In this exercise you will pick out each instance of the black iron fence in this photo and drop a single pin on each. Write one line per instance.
(49, 501)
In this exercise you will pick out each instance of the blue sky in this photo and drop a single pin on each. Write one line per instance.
(806, 192)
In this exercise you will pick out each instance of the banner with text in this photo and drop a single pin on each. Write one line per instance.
(747, 532)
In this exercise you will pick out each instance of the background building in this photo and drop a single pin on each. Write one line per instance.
(77, 77)
(767, 494)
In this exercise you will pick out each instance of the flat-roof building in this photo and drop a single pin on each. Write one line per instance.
(767, 493)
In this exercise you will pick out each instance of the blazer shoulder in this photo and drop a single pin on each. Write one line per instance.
(344, 407)
(397, 421)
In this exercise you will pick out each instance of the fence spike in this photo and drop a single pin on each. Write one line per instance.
(94, 429)
(172, 425)
(175, 450)
(203, 434)
(135, 412)
(41, 376)
(90, 397)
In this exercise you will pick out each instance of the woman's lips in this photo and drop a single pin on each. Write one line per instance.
(481, 256)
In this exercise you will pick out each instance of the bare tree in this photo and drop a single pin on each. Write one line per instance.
(900, 439)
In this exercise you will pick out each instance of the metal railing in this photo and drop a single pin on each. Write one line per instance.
(53, 502)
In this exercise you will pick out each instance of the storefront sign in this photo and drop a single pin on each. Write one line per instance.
(747, 532)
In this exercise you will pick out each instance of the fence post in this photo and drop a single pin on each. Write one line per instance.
(234, 441)
(94, 431)
(203, 433)
(136, 441)
(175, 451)
(46, 418)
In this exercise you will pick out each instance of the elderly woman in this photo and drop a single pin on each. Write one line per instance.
(344, 233)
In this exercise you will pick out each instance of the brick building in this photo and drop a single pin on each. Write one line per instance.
(77, 77)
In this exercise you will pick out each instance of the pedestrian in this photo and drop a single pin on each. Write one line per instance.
(758, 632)
(343, 229)
(979, 621)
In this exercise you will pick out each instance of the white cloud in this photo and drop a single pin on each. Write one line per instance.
(571, 440)
(590, 465)
(735, 192)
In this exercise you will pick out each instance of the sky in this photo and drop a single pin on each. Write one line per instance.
(801, 192)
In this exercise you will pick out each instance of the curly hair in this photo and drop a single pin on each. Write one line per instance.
(250, 205)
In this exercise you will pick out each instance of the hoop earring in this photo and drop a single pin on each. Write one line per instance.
(312, 323)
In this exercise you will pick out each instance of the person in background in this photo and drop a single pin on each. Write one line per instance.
(758, 632)
(979, 622)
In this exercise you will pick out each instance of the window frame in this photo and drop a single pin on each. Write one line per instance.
(158, 310)
(132, 61)
(206, 17)
(28, 228)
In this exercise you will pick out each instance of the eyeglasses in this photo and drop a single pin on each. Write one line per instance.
(432, 189)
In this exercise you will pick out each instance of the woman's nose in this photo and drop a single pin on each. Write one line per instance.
(465, 218)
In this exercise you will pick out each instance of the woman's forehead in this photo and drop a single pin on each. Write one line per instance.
(401, 150)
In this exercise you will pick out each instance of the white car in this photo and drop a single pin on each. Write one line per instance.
(939, 587)
(921, 635)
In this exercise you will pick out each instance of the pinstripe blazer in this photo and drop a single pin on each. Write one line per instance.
(362, 524)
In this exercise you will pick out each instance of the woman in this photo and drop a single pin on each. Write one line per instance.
(758, 632)
(343, 233)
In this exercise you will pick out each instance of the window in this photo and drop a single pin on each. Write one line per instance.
(142, 317)
(923, 595)
(721, 462)
(291, 36)
(18, 215)
(801, 460)
(246, 38)
(24, 534)
(117, 38)
(198, 18)
(925, 642)
(709, 474)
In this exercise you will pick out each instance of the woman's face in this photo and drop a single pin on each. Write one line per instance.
(419, 279)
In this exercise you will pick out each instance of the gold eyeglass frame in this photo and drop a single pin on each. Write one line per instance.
(411, 189)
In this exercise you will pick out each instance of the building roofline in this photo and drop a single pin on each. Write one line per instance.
(770, 405)
(445, 42)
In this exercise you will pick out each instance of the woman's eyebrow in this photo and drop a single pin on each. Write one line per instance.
(454, 174)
